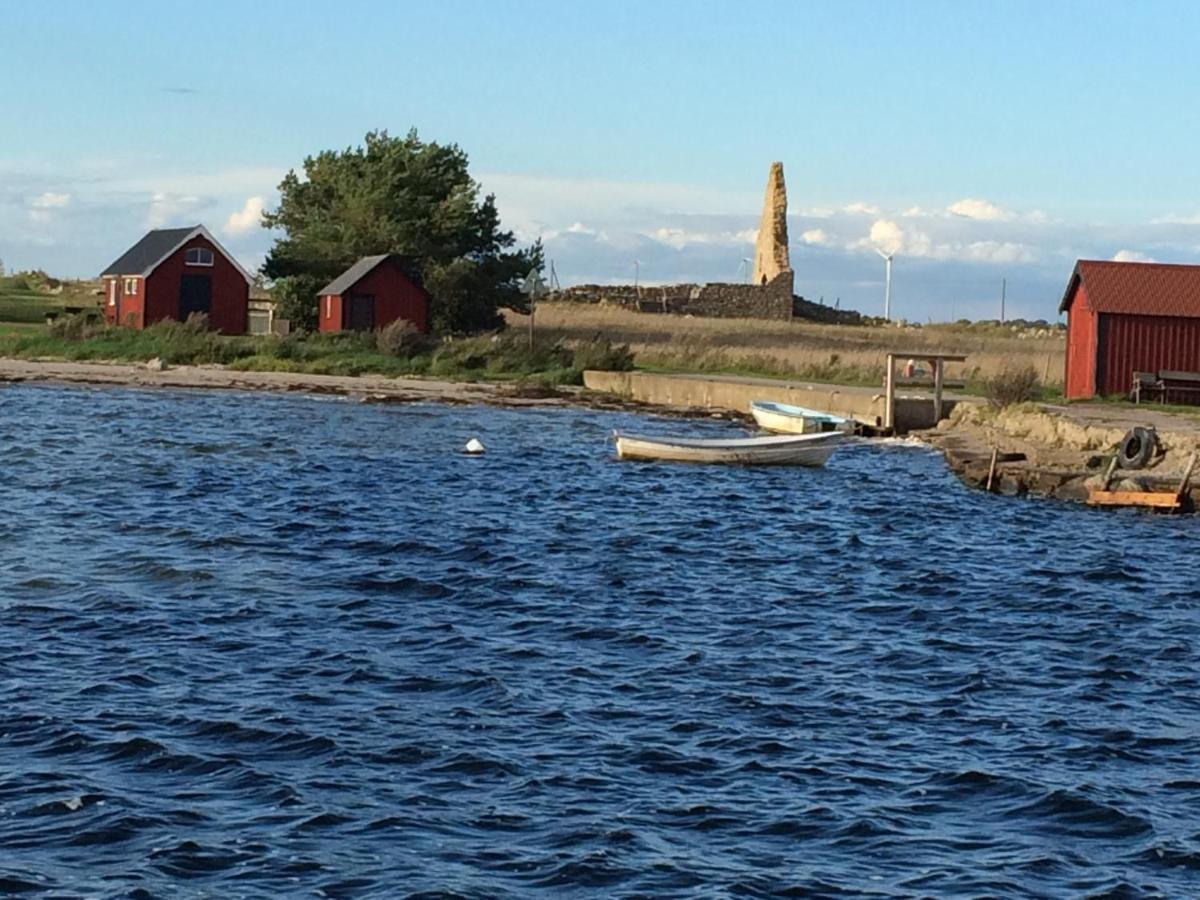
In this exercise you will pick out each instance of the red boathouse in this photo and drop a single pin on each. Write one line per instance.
(174, 272)
(372, 293)
(1126, 317)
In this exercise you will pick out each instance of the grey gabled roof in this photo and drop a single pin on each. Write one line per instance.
(364, 266)
(150, 250)
(144, 256)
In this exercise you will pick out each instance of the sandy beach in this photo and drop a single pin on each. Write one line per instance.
(367, 387)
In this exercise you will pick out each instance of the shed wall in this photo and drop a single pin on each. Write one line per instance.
(129, 309)
(230, 291)
(395, 298)
(1080, 380)
(329, 312)
(1131, 343)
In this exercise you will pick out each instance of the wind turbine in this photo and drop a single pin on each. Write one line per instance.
(637, 271)
(887, 283)
(744, 268)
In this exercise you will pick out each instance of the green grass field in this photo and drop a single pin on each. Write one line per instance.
(28, 297)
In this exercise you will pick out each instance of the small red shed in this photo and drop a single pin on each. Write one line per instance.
(372, 293)
(174, 272)
(1126, 317)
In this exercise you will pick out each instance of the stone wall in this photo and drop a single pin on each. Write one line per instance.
(773, 300)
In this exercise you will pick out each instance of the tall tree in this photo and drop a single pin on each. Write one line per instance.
(397, 195)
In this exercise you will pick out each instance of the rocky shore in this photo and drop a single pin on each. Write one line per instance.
(1058, 450)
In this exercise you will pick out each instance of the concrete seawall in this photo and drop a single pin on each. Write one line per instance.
(721, 392)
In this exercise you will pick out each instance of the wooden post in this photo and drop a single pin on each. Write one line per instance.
(1108, 476)
(532, 307)
(1187, 476)
(889, 384)
(992, 468)
(938, 365)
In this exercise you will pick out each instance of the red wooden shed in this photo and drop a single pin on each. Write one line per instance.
(372, 293)
(1126, 317)
(174, 272)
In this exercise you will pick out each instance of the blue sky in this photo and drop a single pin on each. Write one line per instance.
(978, 141)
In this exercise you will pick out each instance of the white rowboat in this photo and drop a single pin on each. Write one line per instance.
(787, 419)
(774, 450)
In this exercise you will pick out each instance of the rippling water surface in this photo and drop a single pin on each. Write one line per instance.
(274, 646)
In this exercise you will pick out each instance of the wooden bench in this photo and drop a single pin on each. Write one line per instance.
(1146, 386)
(1180, 387)
(1166, 386)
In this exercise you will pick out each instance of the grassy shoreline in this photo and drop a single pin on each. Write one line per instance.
(570, 338)
(500, 357)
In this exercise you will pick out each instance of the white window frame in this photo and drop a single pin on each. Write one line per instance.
(131, 287)
(199, 251)
(329, 307)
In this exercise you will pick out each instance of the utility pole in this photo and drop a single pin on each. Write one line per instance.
(1003, 291)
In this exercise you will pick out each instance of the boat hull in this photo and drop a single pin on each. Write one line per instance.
(784, 419)
(803, 450)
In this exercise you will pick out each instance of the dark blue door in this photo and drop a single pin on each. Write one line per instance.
(195, 296)
(362, 312)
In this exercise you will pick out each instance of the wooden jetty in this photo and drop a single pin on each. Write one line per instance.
(1164, 500)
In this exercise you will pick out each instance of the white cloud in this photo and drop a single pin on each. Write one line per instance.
(1173, 219)
(677, 237)
(1132, 256)
(983, 210)
(42, 208)
(994, 252)
(861, 209)
(816, 236)
(890, 237)
(885, 235)
(169, 209)
(247, 218)
(533, 205)
(50, 200)
(682, 237)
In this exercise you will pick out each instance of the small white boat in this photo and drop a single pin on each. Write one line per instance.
(773, 450)
(787, 419)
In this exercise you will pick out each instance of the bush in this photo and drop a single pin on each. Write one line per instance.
(400, 338)
(196, 323)
(77, 327)
(601, 353)
(1012, 386)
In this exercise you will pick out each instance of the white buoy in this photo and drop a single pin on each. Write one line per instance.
(474, 447)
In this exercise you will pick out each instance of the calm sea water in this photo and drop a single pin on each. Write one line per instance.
(260, 646)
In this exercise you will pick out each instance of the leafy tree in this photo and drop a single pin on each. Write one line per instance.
(397, 195)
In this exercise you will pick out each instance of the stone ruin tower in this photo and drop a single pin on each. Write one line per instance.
(771, 248)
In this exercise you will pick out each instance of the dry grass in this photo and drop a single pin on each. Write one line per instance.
(844, 354)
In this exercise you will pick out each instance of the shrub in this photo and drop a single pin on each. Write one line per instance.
(601, 353)
(400, 338)
(196, 323)
(1013, 385)
(77, 327)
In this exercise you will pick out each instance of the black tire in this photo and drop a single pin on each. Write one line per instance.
(1136, 448)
